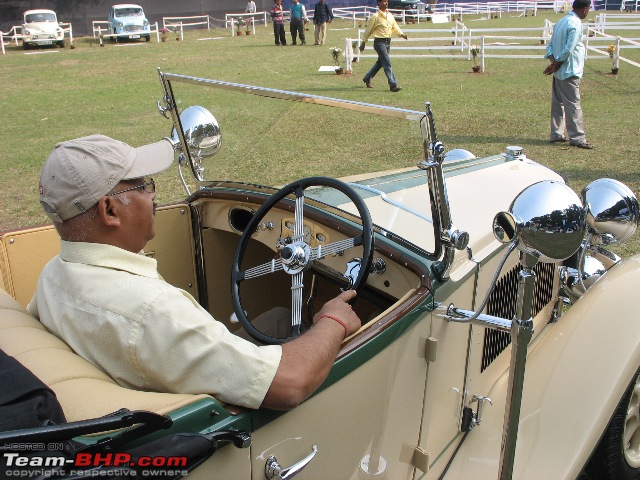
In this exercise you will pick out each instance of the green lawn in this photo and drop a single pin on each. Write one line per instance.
(49, 97)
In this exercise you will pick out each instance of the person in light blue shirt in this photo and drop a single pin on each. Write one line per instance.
(566, 54)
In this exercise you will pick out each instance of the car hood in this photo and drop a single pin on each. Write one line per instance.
(135, 20)
(44, 27)
(472, 209)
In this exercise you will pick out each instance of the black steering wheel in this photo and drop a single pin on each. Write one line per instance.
(297, 256)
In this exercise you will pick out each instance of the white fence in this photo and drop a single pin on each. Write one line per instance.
(231, 20)
(525, 43)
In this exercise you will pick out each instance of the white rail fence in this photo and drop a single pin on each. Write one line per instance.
(524, 43)
(231, 20)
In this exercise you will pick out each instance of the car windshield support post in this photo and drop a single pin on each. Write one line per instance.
(450, 238)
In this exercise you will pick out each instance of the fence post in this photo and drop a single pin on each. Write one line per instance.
(157, 31)
(348, 55)
(2, 43)
(482, 54)
(181, 33)
(616, 55)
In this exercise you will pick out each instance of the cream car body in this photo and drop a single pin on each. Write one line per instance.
(41, 28)
(423, 390)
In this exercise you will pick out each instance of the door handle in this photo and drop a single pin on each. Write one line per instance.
(273, 470)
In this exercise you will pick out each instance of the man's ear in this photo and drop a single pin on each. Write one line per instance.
(108, 211)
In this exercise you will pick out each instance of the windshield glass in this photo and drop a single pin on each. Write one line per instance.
(274, 141)
(40, 17)
(128, 12)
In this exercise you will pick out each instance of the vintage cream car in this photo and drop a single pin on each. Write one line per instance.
(500, 337)
(41, 28)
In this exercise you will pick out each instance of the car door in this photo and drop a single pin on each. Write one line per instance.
(366, 423)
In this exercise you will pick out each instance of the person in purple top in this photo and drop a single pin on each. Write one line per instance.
(277, 15)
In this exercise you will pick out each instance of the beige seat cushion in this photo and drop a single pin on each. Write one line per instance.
(83, 390)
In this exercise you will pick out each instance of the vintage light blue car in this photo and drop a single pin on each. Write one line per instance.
(128, 22)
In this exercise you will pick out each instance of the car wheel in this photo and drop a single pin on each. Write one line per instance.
(617, 457)
(147, 38)
(61, 44)
(25, 46)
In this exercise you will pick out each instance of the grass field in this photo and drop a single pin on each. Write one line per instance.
(55, 95)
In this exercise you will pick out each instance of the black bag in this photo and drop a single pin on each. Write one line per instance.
(25, 402)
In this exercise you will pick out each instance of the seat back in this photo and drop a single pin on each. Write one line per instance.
(83, 390)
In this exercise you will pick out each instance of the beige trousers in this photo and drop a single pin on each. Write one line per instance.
(320, 30)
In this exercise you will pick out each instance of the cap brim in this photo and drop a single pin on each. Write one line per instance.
(151, 159)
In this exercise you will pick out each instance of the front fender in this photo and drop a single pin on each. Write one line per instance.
(576, 373)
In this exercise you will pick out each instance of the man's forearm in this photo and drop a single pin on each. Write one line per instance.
(305, 364)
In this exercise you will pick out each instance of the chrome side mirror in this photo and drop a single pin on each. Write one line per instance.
(202, 136)
(547, 219)
(612, 211)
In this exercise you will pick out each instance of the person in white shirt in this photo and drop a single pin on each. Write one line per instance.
(106, 300)
(251, 7)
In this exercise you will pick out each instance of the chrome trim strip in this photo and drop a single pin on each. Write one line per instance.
(402, 113)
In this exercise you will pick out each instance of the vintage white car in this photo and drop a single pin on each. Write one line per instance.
(41, 28)
(128, 22)
(500, 336)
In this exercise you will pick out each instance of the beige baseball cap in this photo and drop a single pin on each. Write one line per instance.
(79, 172)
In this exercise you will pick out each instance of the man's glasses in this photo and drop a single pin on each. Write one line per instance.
(149, 187)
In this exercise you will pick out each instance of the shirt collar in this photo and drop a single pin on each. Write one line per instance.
(108, 256)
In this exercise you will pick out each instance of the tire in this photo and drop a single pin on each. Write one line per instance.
(615, 458)
(147, 38)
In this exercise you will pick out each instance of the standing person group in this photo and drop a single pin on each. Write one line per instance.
(322, 15)
(277, 16)
(382, 26)
(566, 52)
(298, 21)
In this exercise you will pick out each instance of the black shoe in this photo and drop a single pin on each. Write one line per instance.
(558, 140)
(367, 83)
(395, 88)
(303, 43)
(584, 145)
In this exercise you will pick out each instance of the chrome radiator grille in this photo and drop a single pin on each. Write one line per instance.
(502, 303)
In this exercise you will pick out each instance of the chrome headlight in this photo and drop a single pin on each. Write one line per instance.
(612, 211)
(547, 219)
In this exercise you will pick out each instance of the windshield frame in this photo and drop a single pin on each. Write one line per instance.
(432, 148)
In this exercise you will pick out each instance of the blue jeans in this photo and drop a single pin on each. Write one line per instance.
(384, 62)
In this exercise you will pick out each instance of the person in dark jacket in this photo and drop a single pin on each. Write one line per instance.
(322, 15)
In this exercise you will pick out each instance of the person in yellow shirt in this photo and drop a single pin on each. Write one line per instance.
(381, 26)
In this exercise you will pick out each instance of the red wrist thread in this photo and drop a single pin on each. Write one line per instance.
(344, 325)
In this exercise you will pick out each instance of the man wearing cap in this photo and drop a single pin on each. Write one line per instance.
(382, 25)
(107, 301)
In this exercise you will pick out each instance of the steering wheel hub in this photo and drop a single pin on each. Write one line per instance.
(295, 257)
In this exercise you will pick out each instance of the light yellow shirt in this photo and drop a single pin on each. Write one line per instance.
(382, 25)
(112, 308)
